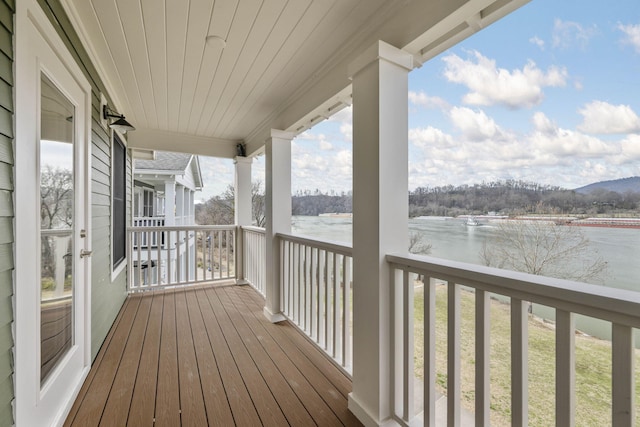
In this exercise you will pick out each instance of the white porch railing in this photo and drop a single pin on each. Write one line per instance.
(254, 255)
(620, 307)
(151, 239)
(316, 292)
(183, 255)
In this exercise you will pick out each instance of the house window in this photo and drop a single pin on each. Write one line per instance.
(119, 192)
(148, 203)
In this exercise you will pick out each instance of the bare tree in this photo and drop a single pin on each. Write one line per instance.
(257, 204)
(56, 198)
(543, 248)
(220, 210)
(417, 245)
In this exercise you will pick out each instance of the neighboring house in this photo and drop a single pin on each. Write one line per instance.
(66, 65)
(164, 189)
(163, 196)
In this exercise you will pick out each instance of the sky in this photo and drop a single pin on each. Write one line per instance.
(548, 94)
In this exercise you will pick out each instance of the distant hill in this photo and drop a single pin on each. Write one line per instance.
(618, 185)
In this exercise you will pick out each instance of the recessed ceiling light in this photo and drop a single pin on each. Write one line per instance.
(216, 42)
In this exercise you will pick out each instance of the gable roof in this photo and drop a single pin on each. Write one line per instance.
(165, 161)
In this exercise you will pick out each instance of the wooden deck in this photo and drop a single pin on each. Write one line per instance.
(207, 356)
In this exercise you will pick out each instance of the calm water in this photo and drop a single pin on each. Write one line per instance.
(451, 239)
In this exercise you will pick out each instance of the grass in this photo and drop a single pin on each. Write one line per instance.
(593, 364)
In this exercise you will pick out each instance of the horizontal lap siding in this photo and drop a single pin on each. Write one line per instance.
(107, 296)
(6, 212)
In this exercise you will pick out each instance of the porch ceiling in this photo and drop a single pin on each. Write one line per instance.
(284, 65)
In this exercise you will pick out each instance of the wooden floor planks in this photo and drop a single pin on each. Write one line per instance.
(207, 356)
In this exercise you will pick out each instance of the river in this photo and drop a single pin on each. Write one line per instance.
(451, 239)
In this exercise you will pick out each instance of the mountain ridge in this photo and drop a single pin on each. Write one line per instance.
(621, 185)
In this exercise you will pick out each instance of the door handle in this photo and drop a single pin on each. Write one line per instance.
(84, 253)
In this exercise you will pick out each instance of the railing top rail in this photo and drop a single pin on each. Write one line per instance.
(184, 228)
(612, 304)
(253, 229)
(320, 244)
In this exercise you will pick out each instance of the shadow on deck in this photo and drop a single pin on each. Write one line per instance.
(207, 356)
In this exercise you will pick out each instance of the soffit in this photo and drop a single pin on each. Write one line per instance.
(160, 73)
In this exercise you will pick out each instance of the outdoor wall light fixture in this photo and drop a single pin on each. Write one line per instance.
(121, 125)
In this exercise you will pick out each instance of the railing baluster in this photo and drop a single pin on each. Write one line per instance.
(453, 354)
(319, 297)
(314, 295)
(623, 376)
(483, 358)
(519, 363)
(139, 252)
(227, 241)
(346, 311)
(429, 319)
(407, 346)
(336, 306)
(565, 369)
(327, 306)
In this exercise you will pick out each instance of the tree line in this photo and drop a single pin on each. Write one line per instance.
(510, 197)
(515, 197)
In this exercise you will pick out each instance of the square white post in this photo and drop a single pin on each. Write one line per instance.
(278, 214)
(179, 205)
(242, 210)
(242, 184)
(169, 203)
(380, 220)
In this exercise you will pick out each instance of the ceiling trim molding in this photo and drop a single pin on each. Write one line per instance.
(80, 28)
(152, 139)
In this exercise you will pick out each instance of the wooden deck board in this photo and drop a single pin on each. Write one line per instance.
(119, 399)
(207, 356)
(97, 362)
(90, 412)
(192, 402)
(215, 398)
(318, 409)
(143, 401)
(167, 395)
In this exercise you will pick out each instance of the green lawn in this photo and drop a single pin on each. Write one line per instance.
(593, 365)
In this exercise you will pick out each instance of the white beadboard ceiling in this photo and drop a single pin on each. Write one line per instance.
(284, 65)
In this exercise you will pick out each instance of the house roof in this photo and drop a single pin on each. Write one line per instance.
(165, 161)
(283, 64)
(168, 163)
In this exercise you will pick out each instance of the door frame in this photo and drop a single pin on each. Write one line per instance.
(37, 404)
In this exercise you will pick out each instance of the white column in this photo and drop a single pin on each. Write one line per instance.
(380, 219)
(242, 186)
(192, 206)
(169, 203)
(179, 204)
(186, 210)
(242, 209)
(278, 214)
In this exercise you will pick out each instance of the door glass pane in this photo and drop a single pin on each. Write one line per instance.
(56, 227)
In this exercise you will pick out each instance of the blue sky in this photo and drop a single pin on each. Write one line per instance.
(551, 94)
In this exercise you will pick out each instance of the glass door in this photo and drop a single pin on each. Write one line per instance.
(57, 263)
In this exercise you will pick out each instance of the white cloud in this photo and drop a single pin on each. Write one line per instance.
(325, 145)
(345, 118)
(567, 34)
(632, 35)
(430, 136)
(548, 138)
(421, 99)
(537, 41)
(547, 153)
(475, 125)
(490, 85)
(600, 117)
(630, 149)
